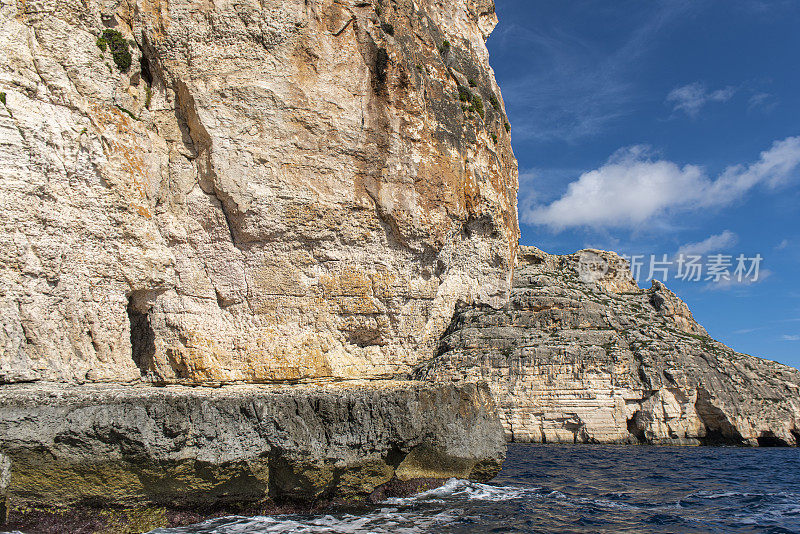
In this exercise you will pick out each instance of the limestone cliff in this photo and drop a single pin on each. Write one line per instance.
(263, 190)
(582, 354)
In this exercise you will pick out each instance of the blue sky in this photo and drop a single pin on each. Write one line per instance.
(663, 127)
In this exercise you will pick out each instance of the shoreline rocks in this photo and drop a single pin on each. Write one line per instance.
(147, 451)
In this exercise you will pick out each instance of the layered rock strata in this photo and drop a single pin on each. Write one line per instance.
(261, 191)
(132, 452)
(582, 354)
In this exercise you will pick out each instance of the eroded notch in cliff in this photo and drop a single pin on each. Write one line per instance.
(769, 439)
(143, 337)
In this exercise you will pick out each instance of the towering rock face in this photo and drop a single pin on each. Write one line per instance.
(272, 190)
(582, 354)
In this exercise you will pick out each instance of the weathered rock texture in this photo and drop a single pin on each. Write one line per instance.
(151, 449)
(582, 354)
(272, 190)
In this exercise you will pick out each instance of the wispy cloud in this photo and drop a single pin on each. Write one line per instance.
(575, 85)
(691, 98)
(782, 245)
(711, 244)
(760, 100)
(734, 283)
(633, 188)
(747, 330)
(790, 337)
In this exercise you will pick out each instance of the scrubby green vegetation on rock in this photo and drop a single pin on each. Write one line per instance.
(464, 94)
(119, 47)
(445, 48)
(494, 102)
(127, 112)
(477, 105)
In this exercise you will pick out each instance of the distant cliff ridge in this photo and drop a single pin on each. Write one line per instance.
(249, 191)
(582, 354)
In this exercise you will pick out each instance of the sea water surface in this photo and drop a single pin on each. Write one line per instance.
(581, 488)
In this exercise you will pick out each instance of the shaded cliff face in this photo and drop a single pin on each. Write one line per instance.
(582, 354)
(272, 190)
(105, 450)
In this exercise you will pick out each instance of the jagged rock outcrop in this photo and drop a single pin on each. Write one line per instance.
(132, 452)
(582, 354)
(272, 190)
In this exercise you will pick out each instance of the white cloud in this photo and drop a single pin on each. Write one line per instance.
(791, 337)
(711, 244)
(693, 97)
(632, 188)
(782, 245)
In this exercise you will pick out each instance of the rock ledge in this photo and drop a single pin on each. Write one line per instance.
(155, 450)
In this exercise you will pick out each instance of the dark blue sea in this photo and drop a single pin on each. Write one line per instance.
(582, 488)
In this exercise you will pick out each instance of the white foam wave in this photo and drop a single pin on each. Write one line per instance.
(457, 489)
(729, 494)
(383, 521)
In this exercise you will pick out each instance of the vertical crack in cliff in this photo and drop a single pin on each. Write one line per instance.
(186, 109)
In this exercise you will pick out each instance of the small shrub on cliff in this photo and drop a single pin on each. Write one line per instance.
(472, 83)
(494, 102)
(464, 94)
(101, 44)
(507, 127)
(388, 28)
(3, 98)
(119, 49)
(494, 138)
(378, 11)
(445, 48)
(477, 105)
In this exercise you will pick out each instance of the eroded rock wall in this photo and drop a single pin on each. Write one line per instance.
(582, 354)
(146, 451)
(273, 190)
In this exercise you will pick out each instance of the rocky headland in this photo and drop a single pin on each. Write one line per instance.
(582, 354)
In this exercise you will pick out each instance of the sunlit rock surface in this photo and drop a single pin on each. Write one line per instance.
(273, 190)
